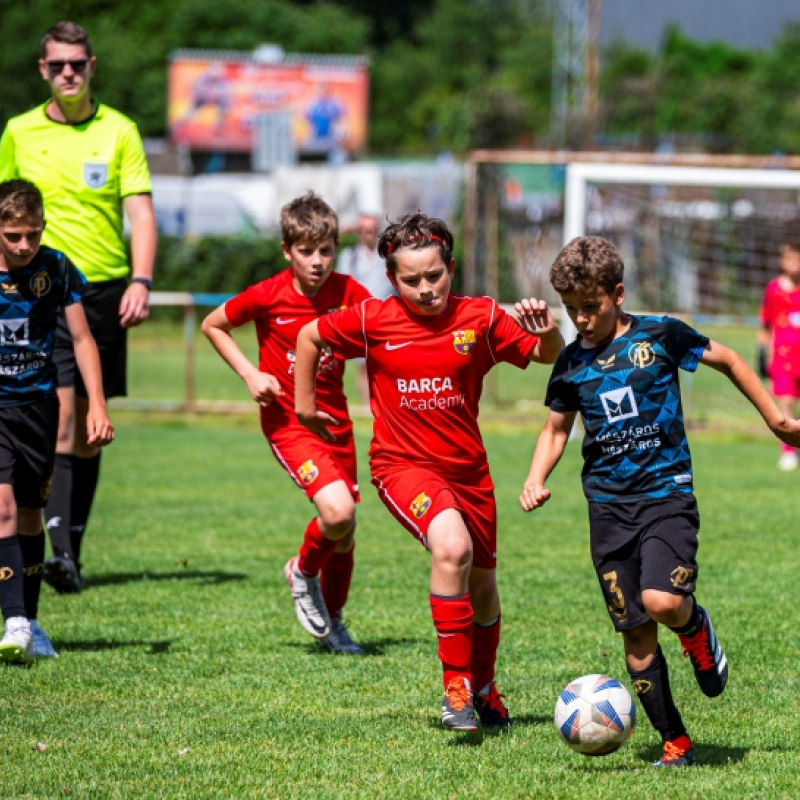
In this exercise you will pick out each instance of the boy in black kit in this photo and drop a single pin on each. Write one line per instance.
(34, 284)
(621, 375)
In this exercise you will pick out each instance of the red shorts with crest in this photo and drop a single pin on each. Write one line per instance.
(313, 463)
(416, 495)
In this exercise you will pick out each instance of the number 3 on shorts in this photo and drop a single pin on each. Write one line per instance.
(614, 596)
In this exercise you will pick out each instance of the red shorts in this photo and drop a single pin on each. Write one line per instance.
(415, 496)
(313, 463)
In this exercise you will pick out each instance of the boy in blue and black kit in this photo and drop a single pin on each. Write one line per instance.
(621, 375)
(35, 283)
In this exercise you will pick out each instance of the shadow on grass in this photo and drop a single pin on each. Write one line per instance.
(210, 576)
(523, 720)
(467, 739)
(373, 647)
(706, 755)
(153, 648)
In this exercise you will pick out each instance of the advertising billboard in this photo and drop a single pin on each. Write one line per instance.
(215, 100)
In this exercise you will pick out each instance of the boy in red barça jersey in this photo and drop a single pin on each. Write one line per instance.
(319, 576)
(427, 353)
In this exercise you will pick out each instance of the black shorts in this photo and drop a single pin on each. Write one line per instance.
(101, 304)
(645, 545)
(28, 450)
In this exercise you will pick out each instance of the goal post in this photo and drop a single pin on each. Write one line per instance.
(699, 235)
(704, 232)
(581, 174)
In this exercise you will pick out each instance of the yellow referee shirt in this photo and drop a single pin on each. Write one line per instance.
(84, 173)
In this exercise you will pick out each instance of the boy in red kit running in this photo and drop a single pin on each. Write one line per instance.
(319, 577)
(779, 340)
(427, 353)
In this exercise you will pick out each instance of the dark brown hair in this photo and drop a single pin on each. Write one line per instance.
(67, 33)
(308, 218)
(585, 264)
(415, 231)
(20, 200)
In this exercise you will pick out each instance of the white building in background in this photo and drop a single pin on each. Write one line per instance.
(231, 203)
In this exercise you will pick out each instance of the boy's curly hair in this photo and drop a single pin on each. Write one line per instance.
(585, 264)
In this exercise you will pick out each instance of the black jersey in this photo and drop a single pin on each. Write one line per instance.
(30, 300)
(628, 395)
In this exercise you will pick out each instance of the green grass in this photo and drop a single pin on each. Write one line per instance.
(158, 377)
(183, 673)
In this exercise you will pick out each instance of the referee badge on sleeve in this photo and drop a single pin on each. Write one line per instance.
(95, 176)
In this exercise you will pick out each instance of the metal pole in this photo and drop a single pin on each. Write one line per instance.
(189, 347)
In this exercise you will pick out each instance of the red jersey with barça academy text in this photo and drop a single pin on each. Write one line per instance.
(426, 375)
(279, 311)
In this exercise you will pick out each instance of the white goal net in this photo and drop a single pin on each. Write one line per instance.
(696, 240)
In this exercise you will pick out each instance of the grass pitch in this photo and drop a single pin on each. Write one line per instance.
(184, 674)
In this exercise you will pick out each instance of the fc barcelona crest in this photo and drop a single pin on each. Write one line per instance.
(308, 472)
(464, 341)
(420, 505)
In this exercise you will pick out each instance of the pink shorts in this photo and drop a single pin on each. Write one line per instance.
(415, 496)
(314, 464)
(785, 384)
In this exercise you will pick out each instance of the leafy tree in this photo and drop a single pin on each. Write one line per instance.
(472, 73)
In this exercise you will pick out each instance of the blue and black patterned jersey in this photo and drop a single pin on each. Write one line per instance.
(30, 300)
(629, 398)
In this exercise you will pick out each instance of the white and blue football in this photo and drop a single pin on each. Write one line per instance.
(595, 715)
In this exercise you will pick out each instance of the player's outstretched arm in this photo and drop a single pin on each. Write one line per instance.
(547, 453)
(743, 377)
(262, 386)
(535, 316)
(307, 355)
(99, 429)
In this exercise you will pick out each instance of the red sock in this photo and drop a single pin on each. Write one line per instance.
(334, 580)
(315, 550)
(485, 641)
(452, 618)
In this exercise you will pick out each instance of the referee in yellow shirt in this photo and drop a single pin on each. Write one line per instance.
(88, 161)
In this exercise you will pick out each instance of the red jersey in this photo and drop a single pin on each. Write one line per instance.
(279, 312)
(780, 312)
(426, 375)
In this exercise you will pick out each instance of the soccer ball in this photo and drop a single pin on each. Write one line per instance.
(595, 715)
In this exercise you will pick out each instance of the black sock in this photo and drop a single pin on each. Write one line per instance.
(32, 548)
(85, 475)
(693, 625)
(652, 688)
(57, 513)
(12, 600)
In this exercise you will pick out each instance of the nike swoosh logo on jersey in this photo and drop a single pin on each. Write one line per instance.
(390, 346)
(282, 321)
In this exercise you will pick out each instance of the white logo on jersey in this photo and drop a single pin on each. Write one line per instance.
(14, 332)
(423, 385)
(619, 404)
(390, 346)
(95, 176)
(282, 321)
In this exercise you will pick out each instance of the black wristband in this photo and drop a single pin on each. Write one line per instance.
(145, 282)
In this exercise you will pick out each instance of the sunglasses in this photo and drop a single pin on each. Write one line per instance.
(78, 67)
(16, 238)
